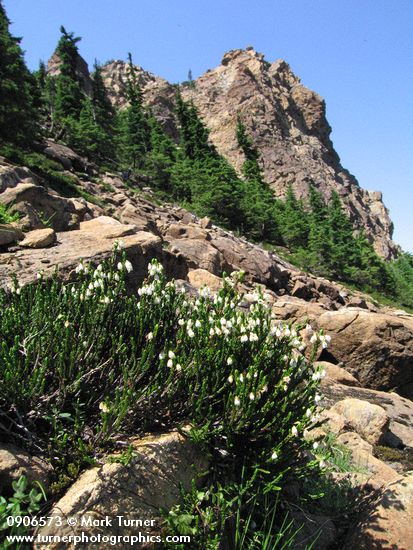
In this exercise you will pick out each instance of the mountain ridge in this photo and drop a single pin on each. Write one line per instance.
(285, 119)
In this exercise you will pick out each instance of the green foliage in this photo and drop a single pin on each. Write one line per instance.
(323, 240)
(215, 191)
(402, 271)
(250, 168)
(192, 132)
(85, 135)
(69, 94)
(320, 235)
(84, 361)
(293, 221)
(19, 97)
(47, 89)
(258, 219)
(124, 458)
(161, 159)
(231, 517)
(6, 216)
(104, 112)
(134, 131)
(25, 502)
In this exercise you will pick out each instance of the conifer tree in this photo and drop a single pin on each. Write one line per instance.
(194, 135)
(41, 75)
(401, 271)
(69, 94)
(343, 250)
(133, 125)
(251, 168)
(369, 270)
(104, 115)
(216, 191)
(162, 156)
(103, 108)
(258, 203)
(85, 135)
(47, 90)
(293, 221)
(319, 238)
(19, 98)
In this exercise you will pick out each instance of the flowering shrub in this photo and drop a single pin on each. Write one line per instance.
(85, 364)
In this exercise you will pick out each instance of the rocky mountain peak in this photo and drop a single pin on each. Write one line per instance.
(157, 92)
(115, 74)
(286, 120)
(82, 70)
(288, 124)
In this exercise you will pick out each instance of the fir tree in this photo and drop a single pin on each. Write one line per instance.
(369, 270)
(102, 107)
(41, 75)
(69, 95)
(19, 97)
(293, 220)
(216, 191)
(257, 203)
(251, 168)
(184, 177)
(104, 115)
(319, 238)
(401, 271)
(47, 89)
(162, 156)
(193, 134)
(85, 135)
(135, 133)
(343, 250)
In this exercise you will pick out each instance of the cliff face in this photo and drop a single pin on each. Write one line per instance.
(82, 71)
(285, 119)
(157, 92)
(288, 124)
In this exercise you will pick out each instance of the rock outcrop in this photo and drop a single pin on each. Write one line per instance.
(82, 71)
(288, 125)
(374, 343)
(285, 119)
(387, 524)
(130, 495)
(371, 348)
(157, 93)
(15, 463)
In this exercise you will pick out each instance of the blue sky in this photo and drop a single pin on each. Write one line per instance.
(357, 54)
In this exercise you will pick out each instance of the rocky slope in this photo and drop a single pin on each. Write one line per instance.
(286, 120)
(368, 389)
